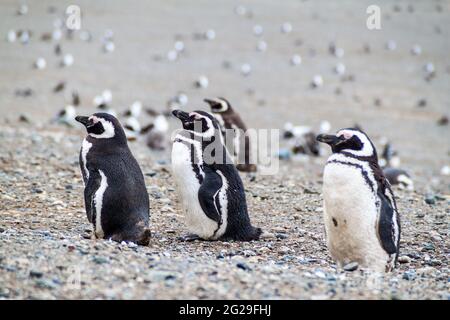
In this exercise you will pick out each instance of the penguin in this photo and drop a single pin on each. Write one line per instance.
(399, 177)
(66, 116)
(211, 190)
(362, 223)
(229, 119)
(389, 156)
(115, 196)
(156, 131)
(302, 139)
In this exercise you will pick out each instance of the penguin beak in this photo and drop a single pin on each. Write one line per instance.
(330, 139)
(183, 116)
(84, 121)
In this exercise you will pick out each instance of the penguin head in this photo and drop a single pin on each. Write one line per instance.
(103, 126)
(219, 105)
(201, 123)
(349, 140)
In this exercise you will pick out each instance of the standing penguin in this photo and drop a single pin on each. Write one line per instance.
(115, 195)
(230, 119)
(361, 218)
(210, 187)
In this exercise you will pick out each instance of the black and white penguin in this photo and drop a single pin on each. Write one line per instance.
(231, 122)
(211, 190)
(116, 199)
(399, 177)
(361, 218)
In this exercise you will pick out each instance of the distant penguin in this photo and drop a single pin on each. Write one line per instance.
(229, 119)
(399, 177)
(361, 218)
(66, 116)
(156, 131)
(211, 190)
(303, 139)
(116, 199)
(389, 156)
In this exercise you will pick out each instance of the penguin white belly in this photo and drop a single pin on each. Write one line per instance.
(351, 218)
(98, 202)
(188, 186)
(85, 147)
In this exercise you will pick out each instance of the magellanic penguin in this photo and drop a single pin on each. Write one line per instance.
(229, 119)
(115, 195)
(361, 218)
(399, 177)
(211, 190)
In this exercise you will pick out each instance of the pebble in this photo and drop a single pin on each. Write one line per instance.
(46, 284)
(100, 260)
(430, 199)
(36, 274)
(404, 259)
(243, 266)
(352, 266)
(409, 275)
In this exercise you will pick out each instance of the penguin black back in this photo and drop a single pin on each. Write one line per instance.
(116, 198)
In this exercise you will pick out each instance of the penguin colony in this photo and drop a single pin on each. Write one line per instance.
(362, 223)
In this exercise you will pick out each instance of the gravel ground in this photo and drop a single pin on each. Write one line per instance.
(45, 250)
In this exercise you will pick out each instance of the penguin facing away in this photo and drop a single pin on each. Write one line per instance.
(211, 190)
(229, 119)
(116, 199)
(361, 219)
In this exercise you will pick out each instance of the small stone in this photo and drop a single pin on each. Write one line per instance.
(409, 275)
(352, 266)
(430, 199)
(36, 274)
(281, 236)
(428, 247)
(404, 259)
(150, 173)
(100, 260)
(45, 284)
(243, 266)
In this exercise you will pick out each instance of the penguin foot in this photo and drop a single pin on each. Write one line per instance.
(246, 167)
(189, 237)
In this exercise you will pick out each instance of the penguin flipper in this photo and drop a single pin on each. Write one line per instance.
(386, 225)
(91, 188)
(208, 194)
